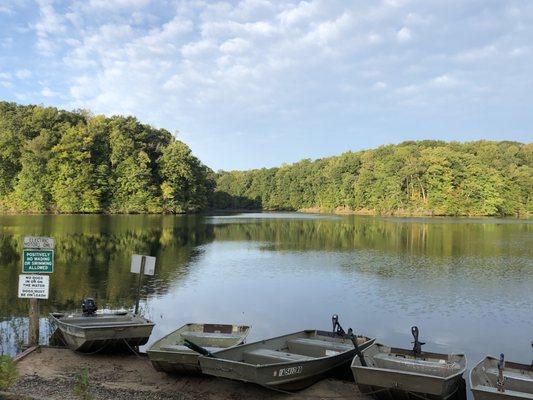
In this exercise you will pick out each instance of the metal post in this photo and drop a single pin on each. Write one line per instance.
(33, 333)
(141, 273)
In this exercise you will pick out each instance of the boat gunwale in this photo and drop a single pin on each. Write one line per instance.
(303, 362)
(147, 323)
(410, 373)
(157, 342)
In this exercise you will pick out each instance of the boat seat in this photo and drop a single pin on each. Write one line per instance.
(514, 380)
(266, 356)
(209, 335)
(184, 349)
(317, 348)
(435, 367)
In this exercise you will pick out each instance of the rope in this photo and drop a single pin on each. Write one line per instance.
(133, 350)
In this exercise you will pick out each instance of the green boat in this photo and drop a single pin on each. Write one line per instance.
(286, 363)
(169, 354)
(493, 379)
(91, 332)
(393, 373)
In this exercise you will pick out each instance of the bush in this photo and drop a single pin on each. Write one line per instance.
(8, 372)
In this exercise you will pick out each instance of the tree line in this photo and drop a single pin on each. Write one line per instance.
(56, 161)
(417, 177)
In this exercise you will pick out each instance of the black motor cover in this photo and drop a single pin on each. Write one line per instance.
(88, 306)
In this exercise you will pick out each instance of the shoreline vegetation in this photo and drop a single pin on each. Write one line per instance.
(71, 162)
(415, 178)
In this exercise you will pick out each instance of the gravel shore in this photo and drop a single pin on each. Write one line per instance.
(52, 374)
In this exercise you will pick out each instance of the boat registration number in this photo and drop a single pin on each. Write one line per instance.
(289, 371)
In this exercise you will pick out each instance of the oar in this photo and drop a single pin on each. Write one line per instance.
(358, 351)
(337, 328)
(198, 349)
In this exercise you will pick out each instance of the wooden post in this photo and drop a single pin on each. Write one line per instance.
(141, 273)
(33, 333)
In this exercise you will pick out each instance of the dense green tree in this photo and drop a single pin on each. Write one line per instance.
(31, 191)
(425, 177)
(73, 180)
(73, 162)
(186, 186)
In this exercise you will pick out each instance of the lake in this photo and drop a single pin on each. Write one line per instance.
(467, 283)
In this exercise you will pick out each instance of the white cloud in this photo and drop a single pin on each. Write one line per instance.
(196, 49)
(6, 42)
(174, 62)
(47, 92)
(329, 31)
(418, 19)
(5, 9)
(477, 53)
(47, 27)
(303, 12)
(519, 51)
(23, 73)
(444, 81)
(403, 35)
(235, 45)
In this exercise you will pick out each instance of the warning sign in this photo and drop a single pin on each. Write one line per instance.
(34, 286)
(38, 261)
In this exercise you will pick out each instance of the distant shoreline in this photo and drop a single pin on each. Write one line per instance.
(311, 210)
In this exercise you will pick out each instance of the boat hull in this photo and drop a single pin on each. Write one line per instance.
(282, 376)
(90, 339)
(413, 381)
(387, 385)
(518, 380)
(170, 355)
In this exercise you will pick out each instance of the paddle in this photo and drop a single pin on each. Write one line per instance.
(337, 328)
(198, 349)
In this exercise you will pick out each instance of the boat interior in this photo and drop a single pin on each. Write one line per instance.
(101, 319)
(213, 337)
(432, 364)
(518, 377)
(301, 346)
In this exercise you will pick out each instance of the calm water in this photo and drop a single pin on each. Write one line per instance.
(467, 283)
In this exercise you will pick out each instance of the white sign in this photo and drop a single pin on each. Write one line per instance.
(34, 286)
(38, 242)
(149, 266)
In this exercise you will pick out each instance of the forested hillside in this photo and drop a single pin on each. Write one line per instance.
(420, 178)
(71, 162)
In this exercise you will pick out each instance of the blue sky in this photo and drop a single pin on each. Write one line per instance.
(256, 83)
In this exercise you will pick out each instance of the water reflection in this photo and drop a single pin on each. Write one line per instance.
(466, 282)
(93, 253)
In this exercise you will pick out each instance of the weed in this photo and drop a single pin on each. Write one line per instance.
(81, 387)
(8, 372)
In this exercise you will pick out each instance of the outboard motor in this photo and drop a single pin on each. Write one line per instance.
(417, 345)
(88, 306)
(337, 328)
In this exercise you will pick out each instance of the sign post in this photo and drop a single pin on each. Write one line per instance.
(37, 258)
(142, 265)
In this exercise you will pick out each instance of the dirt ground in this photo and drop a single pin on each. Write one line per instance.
(52, 373)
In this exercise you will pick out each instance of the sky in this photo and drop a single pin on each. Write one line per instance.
(258, 83)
